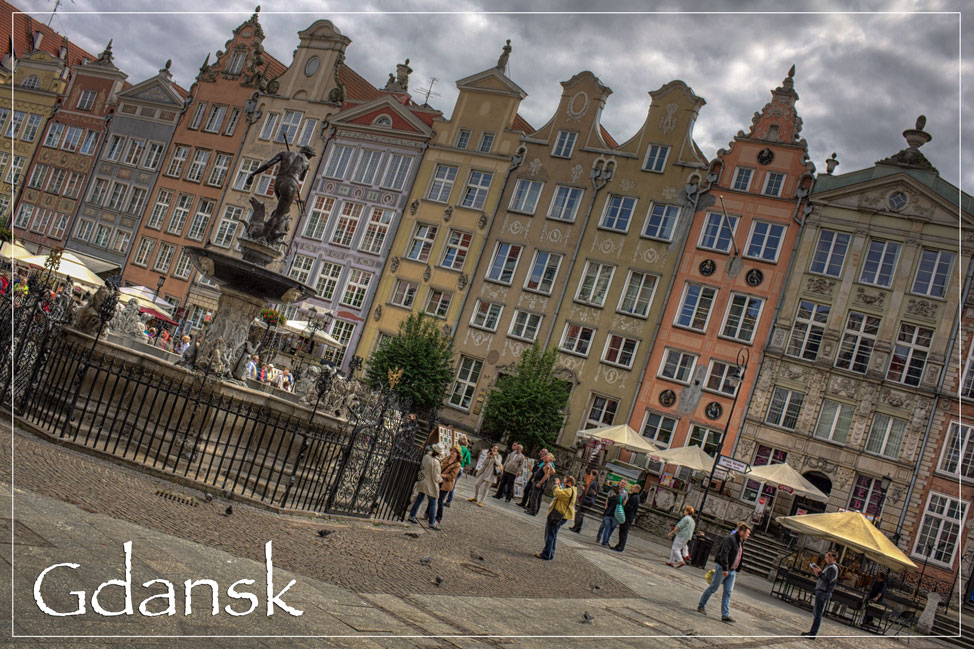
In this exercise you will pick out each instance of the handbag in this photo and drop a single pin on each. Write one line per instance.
(709, 576)
(620, 514)
(555, 516)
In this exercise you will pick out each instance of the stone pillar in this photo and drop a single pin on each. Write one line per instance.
(228, 331)
(925, 625)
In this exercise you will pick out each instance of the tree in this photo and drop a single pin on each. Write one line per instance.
(530, 403)
(425, 356)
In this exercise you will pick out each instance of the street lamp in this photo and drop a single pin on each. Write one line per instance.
(926, 557)
(159, 283)
(317, 321)
(743, 356)
(884, 484)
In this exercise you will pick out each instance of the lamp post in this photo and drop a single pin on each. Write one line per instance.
(926, 557)
(743, 356)
(884, 484)
(316, 322)
(159, 283)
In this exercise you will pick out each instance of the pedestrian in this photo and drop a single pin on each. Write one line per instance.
(428, 484)
(449, 471)
(547, 472)
(263, 375)
(589, 496)
(512, 467)
(729, 554)
(561, 510)
(828, 577)
(631, 508)
(252, 364)
(183, 345)
(485, 475)
(462, 443)
(876, 594)
(681, 534)
(536, 471)
(609, 520)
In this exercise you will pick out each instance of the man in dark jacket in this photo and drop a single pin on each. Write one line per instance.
(587, 500)
(729, 555)
(536, 471)
(631, 508)
(828, 577)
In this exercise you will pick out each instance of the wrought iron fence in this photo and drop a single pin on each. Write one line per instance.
(184, 423)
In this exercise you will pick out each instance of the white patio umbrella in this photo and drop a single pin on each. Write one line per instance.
(14, 251)
(70, 266)
(622, 436)
(303, 329)
(782, 475)
(692, 457)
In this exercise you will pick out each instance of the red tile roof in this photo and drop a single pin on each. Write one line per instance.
(273, 68)
(608, 138)
(521, 124)
(356, 87)
(24, 28)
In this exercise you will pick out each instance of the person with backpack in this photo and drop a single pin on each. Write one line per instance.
(631, 508)
(828, 577)
(464, 463)
(589, 496)
(609, 520)
(449, 471)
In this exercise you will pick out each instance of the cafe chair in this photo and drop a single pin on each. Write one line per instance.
(905, 620)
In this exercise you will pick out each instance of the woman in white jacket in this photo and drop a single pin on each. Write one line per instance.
(489, 470)
(428, 485)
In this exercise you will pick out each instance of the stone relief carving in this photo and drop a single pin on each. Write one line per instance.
(866, 297)
(895, 399)
(482, 221)
(778, 338)
(462, 281)
(607, 246)
(478, 338)
(427, 273)
(516, 226)
(626, 185)
(670, 192)
(413, 207)
(668, 122)
(843, 387)
(922, 308)
(647, 253)
(793, 372)
(494, 292)
(555, 235)
(394, 264)
(448, 213)
(577, 106)
(377, 314)
(532, 301)
(819, 285)
(534, 167)
(576, 173)
(128, 323)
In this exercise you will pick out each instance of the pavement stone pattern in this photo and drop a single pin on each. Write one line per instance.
(362, 580)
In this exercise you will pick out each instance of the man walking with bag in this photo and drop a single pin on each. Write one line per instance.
(828, 577)
(729, 554)
(512, 468)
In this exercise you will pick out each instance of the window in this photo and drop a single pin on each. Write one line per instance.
(307, 132)
(4, 113)
(476, 191)
(73, 186)
(602, 412)
(115, 146)
(957, 457)
(442, 184)
(867, 496)
(504, 263)
(404, 293)
(60, 224)
(723, 377)
(834, 421)
(656, 158)
(136, 201)
(967, 387)
(83, 232)
(486, 315)
(221, 166)
(808, 329)
(830, 253)
(368, 166)
(135, 151)
(773, 183)
(327, 280)
(463, 138)
(486, 142)
(198, 116)
(564, 144)
(526, 194)
(742, 179)
(43, 218)
(438, 303)
(15, 170)
(265, 182)
(200, 220)
(247, 165)
(103, 235)
(116, 197)
(886, 435)
(143, 252)
(677, 366)
(695, 307)
(196, 316)
(38, 176)
(215, 120)
(595, 283)
(160, 209)
(54, 133)
(718, 232)
(227, 227)
(618, 213)
(742, 317)
(314, 227)
(232, 122)
(466, 383)
(56, 180)
(940, 529)
(195, 173)
(347, 222)
(909, 354)
(24, 215)
(31, 82)
(375, 232)
(705, 438)
(396, 172)
(338, 161)
(179, 213)
(86, 100)
(237, 60)
(72, 138)
(31, 127)
(183, 266)
(933, 272)
(784, 408)
(544, 270)
(457, 246)
(89, 144)
(356, 288)
(660, 221)
(164, 257)
(422, 242)
(880, 263)
(564, 203)
(576, 339)
(341, 330)
(765, 241)
(620, 351)
(524, 325)
(659, 429)
(13, 128)
(179, 155)
(857, 342)
(765, 455)
(301, 268)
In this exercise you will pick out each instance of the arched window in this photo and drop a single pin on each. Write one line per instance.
(382, 120)
(31, 82)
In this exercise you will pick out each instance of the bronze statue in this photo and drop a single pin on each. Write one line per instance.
(292, 170)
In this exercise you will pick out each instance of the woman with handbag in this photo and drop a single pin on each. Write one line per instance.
(561, 511)
(489, 470)
(449, 471)
(428, 486)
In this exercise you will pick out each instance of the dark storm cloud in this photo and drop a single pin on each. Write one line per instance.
(862, 78)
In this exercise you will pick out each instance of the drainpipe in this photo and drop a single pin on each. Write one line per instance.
(515, 163)
(936, 399)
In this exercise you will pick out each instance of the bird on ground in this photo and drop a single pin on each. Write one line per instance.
(208, 497)
(324, 533)
(587, 619)
(425, 561)
(228, 510)
(438, 581)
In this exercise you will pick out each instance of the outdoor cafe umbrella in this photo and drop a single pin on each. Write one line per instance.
(692, 457)
(782, 475)
(303, 329)
(622, 436)
(13, 250)
(70, 266)
(149, 298)
(852, 530)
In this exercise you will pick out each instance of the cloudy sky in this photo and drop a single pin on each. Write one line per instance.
(862, 77)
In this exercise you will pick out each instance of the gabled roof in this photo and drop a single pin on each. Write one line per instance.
(952, 194)
(496, 75)
(403, 118)
(356, 87)
(521, 124)
(608, 138)
(23, 36)
(154, 90)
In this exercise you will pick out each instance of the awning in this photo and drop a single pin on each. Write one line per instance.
(157, 315)
(97, 266)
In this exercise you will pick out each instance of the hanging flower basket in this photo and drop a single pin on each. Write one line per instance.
(273, 317)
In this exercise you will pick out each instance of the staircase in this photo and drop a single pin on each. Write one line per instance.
(947, 625)
(761, 554)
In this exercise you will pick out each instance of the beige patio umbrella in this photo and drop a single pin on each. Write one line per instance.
(852, 530)
(13, 250)
(622, 436)
(303, 329)
(692, 457)
(70, 266)
(782, 475)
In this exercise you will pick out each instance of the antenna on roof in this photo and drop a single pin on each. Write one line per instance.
(57, 3)
(428, 92)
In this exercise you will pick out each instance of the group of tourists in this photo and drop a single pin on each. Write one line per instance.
(280, 378)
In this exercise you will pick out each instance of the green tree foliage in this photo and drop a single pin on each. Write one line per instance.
(425, 356)
(528, 405)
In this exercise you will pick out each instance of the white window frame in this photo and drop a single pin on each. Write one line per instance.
(486, 315)
(215, 119)
(545, 282)
(677, 365)
(134, 152)
(600, 414)
(940, 542)
(738, 172)
(858, 341)
(197, 168)
(338, 161)
(522, 323)
(178, 160)
(368, 166)
(441, 184)
(830, 253)
(942, 263)
(326, 284)
(421, 243)
(198, 116)
(741, 319)
(761, 241)
(301, 267)
(625, 354)
(880, 271)
(809, 329)
(656, 157)
(86, 99)
(376, 230)
(525, 197)
(958, 448)
(574, 341)
(655, 427)
(594, 295)
(565, 199)
(160, 209)
(456, 249)
(164, 257)
(564, 144)
(463, 139)
(464, 387)
(201, 219)
(346, 224)
(663, 219)
(616, 208)
(153, 156)
(438, 302)
(770, 189)
(144, 252)
(830, 420)
(503, 263)
(318, 215)
(909, 344)
(486, 142)
(397, 171)
(725, 373)
(247, 165)
(220, 169)
(694, 315)
(268, 129)
(356, 288)
(789, 404)
(476, 190)
(404, 293)
(715, 229)
(882, 439)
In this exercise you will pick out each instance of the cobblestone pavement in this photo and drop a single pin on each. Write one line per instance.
(361, 580)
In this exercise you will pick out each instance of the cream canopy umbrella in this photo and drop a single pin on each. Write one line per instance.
(692, 457)
(70, 266)
(782, 475)
(149, 297)
(303, 329)
(623, 436)
(852, 530)
(13, 250)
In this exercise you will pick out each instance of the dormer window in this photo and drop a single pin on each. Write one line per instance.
(486, 142)
(86, 100)
(382, 120)
(565, 144)
(31, 82)
(38, 37)
(236, 62)
(656, 158)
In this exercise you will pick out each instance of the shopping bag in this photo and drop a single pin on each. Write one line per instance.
(620, 514)
(709, 576)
